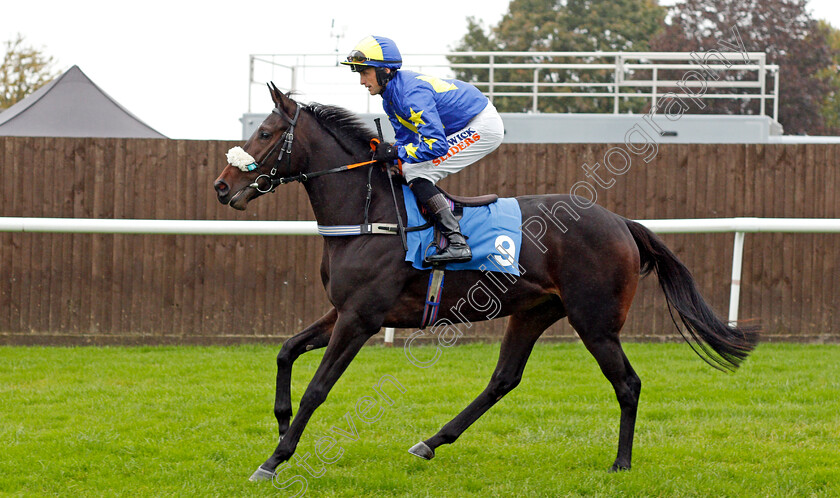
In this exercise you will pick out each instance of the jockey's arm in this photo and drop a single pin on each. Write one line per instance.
(418, 129)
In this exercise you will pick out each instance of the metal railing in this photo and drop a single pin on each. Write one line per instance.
(619, 76)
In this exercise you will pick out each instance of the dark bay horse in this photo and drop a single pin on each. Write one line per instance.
(588, 272)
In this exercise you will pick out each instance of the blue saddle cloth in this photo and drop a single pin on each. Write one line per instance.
(494, 235)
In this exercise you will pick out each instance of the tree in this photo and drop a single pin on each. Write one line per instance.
(783, 29)
(24, 70)
(830, 110)
(561, 26)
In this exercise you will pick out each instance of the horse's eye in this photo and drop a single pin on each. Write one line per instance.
(265, 135)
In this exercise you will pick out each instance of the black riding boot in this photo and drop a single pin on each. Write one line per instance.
(457, 251)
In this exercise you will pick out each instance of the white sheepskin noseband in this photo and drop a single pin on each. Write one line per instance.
(238, 158)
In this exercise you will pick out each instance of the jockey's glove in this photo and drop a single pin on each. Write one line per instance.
(386, 153)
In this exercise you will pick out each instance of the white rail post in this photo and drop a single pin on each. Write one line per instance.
(655, 88)
(492, 75)
(762, 79)
(250, 79)
(619, 79)
(735, 290)
(389, 336)
(776, 95)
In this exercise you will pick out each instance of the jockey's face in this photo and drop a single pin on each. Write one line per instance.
(368, 79)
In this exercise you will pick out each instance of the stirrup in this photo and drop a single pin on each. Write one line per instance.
(443, 258)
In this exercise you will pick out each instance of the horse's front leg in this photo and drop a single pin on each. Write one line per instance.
(349, 335)
(315, 336)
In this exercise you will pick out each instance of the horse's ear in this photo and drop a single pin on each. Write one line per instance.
(281, 100)
(276, 94)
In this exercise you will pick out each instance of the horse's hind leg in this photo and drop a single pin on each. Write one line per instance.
(522, 332)
(600, 336)
(315, 336)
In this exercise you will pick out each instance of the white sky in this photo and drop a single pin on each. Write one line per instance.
(182, 66)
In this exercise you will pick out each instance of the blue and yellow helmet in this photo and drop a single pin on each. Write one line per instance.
(374, 51)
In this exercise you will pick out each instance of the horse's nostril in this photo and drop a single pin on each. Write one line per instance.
(221, 187)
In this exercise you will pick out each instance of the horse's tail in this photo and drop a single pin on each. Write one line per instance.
(721, 345)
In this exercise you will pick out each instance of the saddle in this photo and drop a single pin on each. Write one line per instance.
(458, 203)
(481, 200)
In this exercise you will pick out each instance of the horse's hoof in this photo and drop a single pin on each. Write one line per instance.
(261, 475)
(420, 449)
(618, 468)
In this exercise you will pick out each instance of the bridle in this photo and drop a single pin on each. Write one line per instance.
(285, 144)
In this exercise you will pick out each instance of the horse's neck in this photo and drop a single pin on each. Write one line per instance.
(339, 198)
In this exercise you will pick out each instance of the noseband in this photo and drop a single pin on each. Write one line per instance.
(285, 144)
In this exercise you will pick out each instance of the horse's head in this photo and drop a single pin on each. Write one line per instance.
(264, 157)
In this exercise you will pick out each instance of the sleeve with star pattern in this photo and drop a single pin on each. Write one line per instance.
(418, 129)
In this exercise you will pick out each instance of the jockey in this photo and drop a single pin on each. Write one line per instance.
(441, 127)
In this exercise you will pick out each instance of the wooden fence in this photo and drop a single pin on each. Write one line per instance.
(152, 289)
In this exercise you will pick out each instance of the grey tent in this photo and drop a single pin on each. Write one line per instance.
(72, 106)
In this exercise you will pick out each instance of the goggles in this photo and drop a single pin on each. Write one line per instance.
(358, 60)
(357, 57)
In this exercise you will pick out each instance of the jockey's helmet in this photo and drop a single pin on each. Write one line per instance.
(374, 51)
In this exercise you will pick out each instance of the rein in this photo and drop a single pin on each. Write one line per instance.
(287, 140)
(304, 176)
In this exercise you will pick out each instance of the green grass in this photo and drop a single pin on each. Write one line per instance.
(198, 421)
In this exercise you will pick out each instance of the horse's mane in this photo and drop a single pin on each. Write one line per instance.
(345, 126)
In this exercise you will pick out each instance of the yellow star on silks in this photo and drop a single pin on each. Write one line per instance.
(407, 124)
(411, 150)
(438, 84)
(429, 141)
(416, 117)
